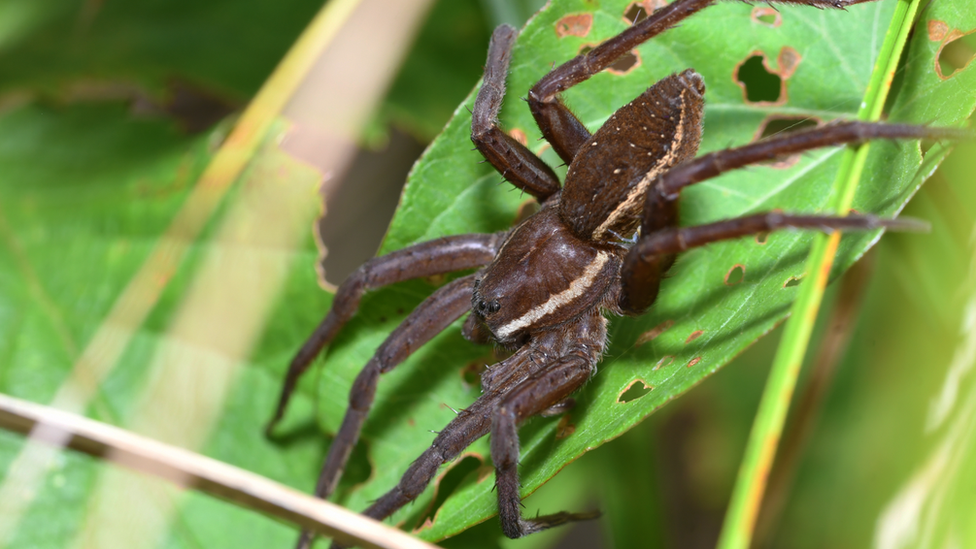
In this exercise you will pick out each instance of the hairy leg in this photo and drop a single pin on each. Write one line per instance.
(647, 262)
(430, 318)
(536, 395)
(558, 124)
(513, 160)
(439, 256)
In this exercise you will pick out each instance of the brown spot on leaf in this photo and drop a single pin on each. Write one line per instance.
(651, 334)
(633, 391)
(767, 16)
(956, 53)
(788, 59)
(694, 361)
(564, 428)
(937, 30)
(694, 335)
(762, 84)
(665, 361)
(519, 136)
(578, 24)
(735, 275)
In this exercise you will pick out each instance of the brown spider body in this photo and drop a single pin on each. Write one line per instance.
(542, 289)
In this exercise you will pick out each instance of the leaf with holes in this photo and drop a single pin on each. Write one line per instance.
(718, 300)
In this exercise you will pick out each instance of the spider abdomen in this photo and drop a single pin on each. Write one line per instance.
(608, 179)
(544, 275)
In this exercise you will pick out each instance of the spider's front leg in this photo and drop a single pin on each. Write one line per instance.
(559, 125)
(662, 239)
(444, 255)
(552, 384)
(513, 160)
(538, 377)
(431, 317)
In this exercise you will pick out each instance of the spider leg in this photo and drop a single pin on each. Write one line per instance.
(470, 424)
(431, 317)
(445, 255)
(716, 163)
(543, 391)
(559, 126)
(654, 254)
(525, 374)
(513, 160)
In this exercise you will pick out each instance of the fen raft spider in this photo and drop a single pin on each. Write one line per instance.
(600, 244)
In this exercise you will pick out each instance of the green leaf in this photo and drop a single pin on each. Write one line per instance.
(708, 322)
(74, 50)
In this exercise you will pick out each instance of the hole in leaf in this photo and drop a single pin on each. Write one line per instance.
(775, 125)
(955, 54)
(622, 65)
(760, 85)
(792, 281)
(574, 25)
(447, 485)
(634, 391)
(735, 275)
(635, 13)
(762, 238)
(625, 63)
(694, 335)
(765, 15)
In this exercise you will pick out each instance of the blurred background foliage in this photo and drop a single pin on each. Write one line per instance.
(110, 110)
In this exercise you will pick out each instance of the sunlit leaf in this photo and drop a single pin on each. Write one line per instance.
(708, 322)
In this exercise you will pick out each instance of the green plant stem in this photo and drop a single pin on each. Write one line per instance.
(761, 448)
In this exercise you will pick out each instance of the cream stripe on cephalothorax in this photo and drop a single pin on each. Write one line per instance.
(576, 288)
(634, 203)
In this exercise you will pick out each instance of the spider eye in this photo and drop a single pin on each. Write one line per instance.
(487, 307)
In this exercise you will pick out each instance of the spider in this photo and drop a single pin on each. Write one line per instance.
(599, 245)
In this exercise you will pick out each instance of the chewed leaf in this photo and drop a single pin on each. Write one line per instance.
(717, 301)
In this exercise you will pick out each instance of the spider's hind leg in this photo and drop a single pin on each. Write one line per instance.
(513, 160)
(662, 239)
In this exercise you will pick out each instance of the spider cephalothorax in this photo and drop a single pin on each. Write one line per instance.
(599, 245)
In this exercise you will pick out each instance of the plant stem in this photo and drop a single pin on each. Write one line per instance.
(764, 438)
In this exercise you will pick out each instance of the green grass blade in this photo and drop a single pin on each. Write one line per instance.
(764, 438)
